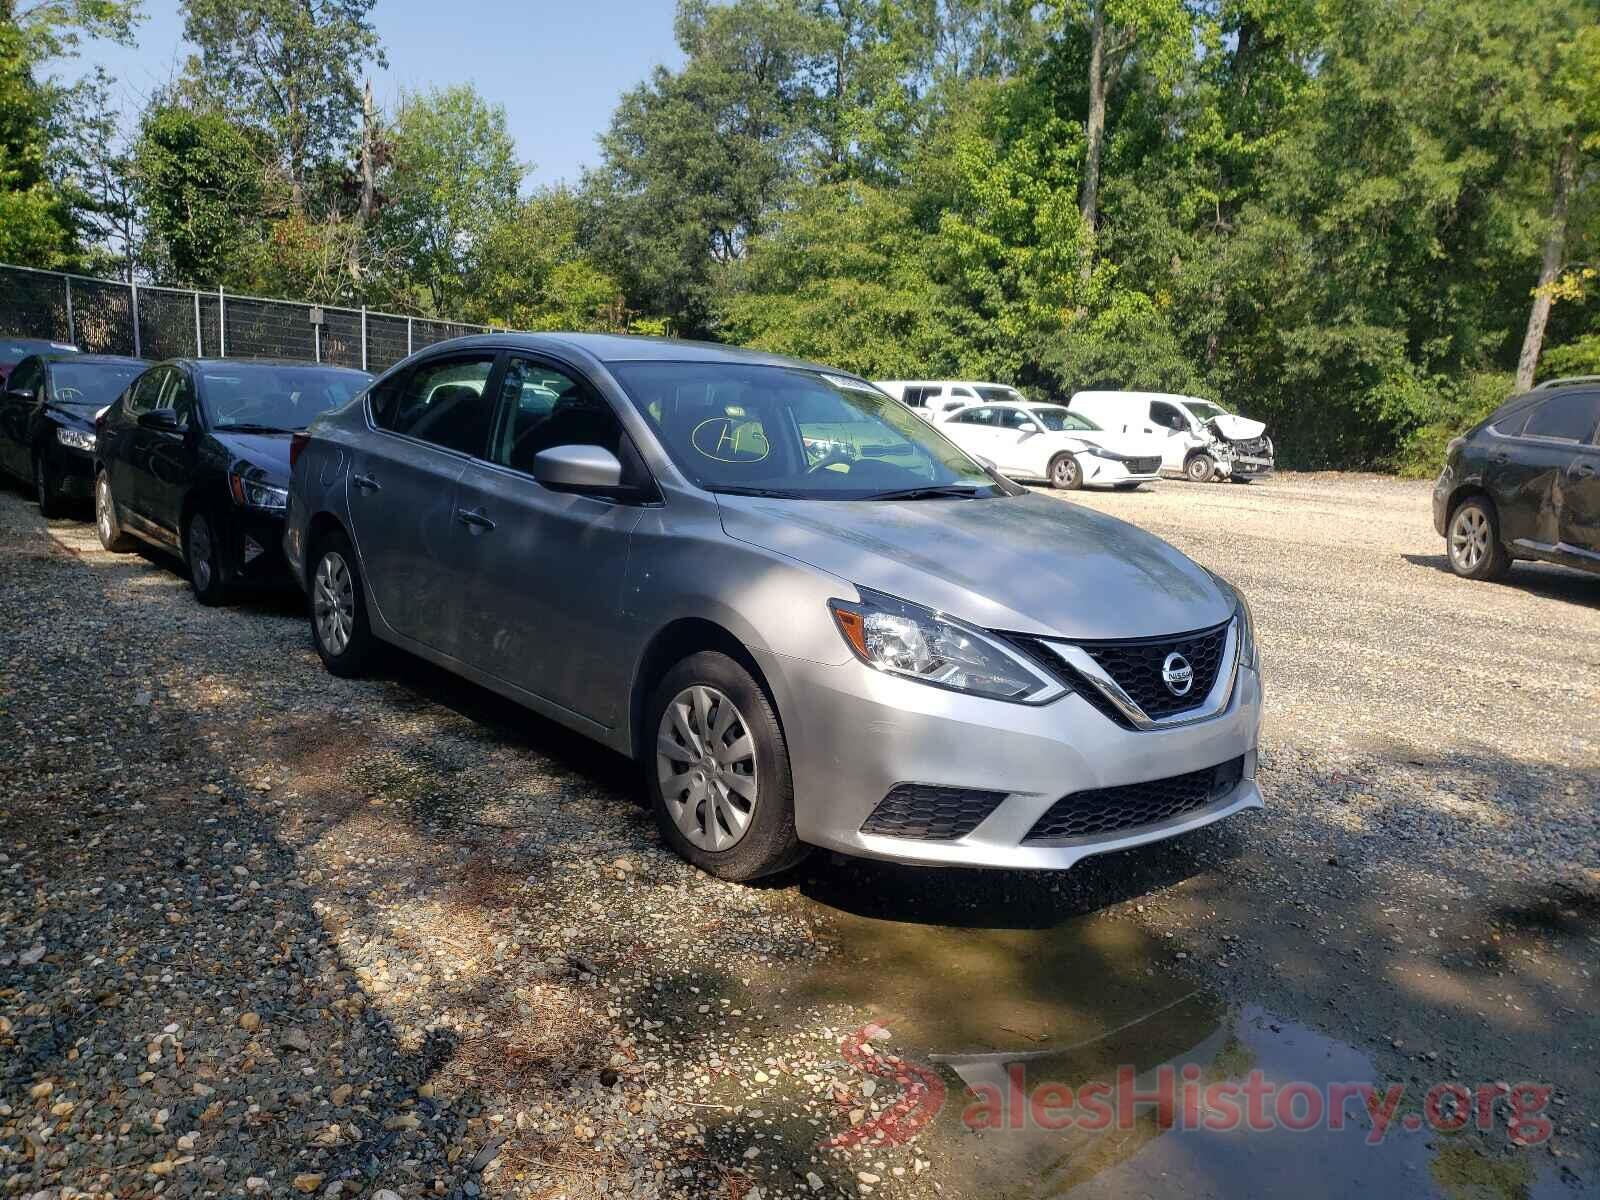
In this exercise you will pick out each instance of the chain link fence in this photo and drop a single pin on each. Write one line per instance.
(104, 316)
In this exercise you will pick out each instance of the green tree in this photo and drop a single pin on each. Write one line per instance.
(292, 66)
(200, 186)
(532, 272)
(452, 178)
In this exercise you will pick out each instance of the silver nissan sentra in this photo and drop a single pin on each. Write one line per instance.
(810, 618)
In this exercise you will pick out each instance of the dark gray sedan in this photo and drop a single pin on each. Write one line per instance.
(810, 617)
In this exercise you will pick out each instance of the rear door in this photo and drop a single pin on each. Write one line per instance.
(1580, 494)
(1529, 458)
(427, 424)
(540, 573)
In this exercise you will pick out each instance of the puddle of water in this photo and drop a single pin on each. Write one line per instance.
(997, 1014)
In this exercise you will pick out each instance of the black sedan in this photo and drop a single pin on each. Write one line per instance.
(1525, 483)
(194, 458)
(47, 420)
(14, 349)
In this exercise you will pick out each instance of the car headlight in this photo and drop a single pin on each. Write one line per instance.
(918, 643)
(1247, 621)
(251, 494)
(76, 439)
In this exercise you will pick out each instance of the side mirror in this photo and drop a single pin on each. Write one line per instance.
(1028, 427)
(578, 469)
(163, 419)
(25, 395)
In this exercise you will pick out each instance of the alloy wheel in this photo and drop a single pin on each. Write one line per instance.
(201, 567)
(1469, 537)
(333, 602)
(706, 764)
(102, 509)
(1066, 472)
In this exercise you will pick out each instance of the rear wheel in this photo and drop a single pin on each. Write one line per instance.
(338, 608)
(1473, 541)
(718, 770)
(1200, 468)
(46, 487)
(105, 517)
(1065, 473)
(209, 575)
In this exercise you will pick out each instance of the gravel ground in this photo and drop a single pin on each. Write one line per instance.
(268, 932)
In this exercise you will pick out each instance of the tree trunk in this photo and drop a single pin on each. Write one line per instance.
(1096, 130)
(1555, 252)
(367, 188)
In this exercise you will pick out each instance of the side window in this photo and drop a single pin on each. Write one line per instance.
(964, 393)
(440, 401)
(178, 395)
(1167, 416)
(146, 392)
(916, 397)
(1569, 418)
(27, 377)
(1016, 418)
(975, 416)
(542, 407)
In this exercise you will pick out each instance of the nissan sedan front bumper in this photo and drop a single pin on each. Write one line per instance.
(855, 734)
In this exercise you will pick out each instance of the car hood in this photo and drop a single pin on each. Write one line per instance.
(260, 456)
(75, 416)
(1236, 428)
(1025, 564)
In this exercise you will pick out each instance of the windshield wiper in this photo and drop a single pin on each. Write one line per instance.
(965, 491)
(249, 427)
(737, 490)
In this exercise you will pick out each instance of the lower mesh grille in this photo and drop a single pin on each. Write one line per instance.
(931, 814)
(1142, 466)
(1132, 805)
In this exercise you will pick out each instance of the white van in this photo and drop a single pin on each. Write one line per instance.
(935, 399)
(1203, 440)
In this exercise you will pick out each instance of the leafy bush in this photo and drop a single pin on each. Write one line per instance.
(1458, 406)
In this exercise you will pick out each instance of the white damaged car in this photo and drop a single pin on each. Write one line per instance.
(1200, 440)
(1046, 441)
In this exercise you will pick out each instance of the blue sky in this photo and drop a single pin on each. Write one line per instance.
(557, 67)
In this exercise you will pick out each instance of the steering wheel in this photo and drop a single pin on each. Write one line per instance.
(836, 455)
(69, 395)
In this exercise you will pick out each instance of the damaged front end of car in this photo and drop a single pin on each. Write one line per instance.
(1240, 447)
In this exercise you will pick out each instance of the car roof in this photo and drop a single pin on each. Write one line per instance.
(625, 347)
(92, 359)
(259, 362)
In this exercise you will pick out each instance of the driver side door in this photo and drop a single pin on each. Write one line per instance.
(1167, 420)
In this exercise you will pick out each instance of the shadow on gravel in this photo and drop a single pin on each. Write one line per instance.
(1540, 579)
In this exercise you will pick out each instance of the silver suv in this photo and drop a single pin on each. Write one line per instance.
(812, 619)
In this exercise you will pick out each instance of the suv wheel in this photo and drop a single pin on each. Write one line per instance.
(1065, 473)
(208, 574)
(718, 770)
(1473, 541)
(1200, 468)
(105, 517)
(338, 608)
(45, 488)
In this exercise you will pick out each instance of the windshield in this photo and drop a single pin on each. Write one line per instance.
(795, 433)
(1060, 420)
(273, 397)
(1001, 395)
(1204, 410)
(90, 383)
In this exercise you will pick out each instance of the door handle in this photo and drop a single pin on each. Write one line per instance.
(366, 483)
(1501, 457)
(474, 520)
(1581, 470)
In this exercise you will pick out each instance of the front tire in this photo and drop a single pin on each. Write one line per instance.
(717, 770)
(46, 487)
(209, 575)
(106, 523)
(1200, 468)
(1065, 474)
(1472, 541)
(337, 606)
